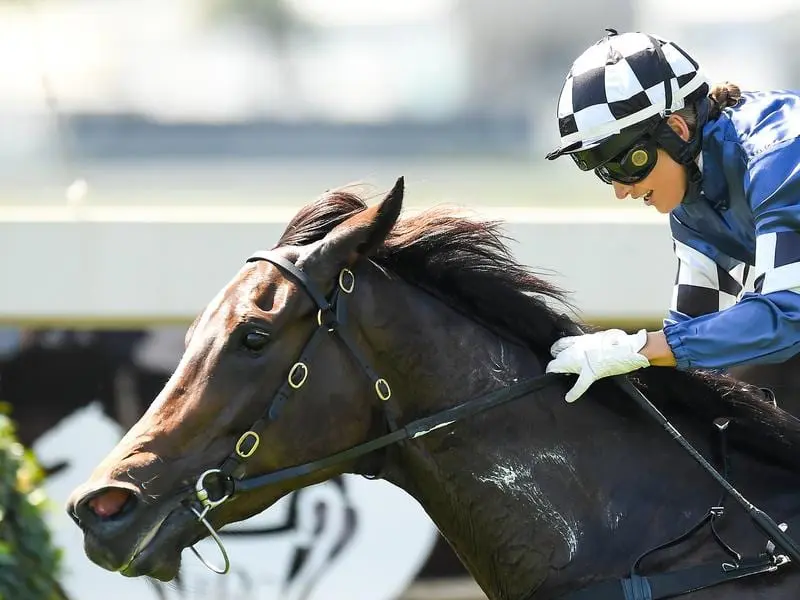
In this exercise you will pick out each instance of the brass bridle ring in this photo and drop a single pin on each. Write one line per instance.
(245, 436)
(293, 372)
(331, 325)
(383, 390)
(345, 288)
(201, 493)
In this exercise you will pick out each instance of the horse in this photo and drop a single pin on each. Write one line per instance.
(413, 348)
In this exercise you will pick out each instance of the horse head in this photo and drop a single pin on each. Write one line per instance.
(242, 401)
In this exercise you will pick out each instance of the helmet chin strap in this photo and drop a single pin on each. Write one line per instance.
(686, 152)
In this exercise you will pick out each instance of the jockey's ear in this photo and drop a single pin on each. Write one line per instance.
(679, 125)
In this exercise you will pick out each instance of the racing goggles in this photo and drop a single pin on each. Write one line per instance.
(630, 166)
(624, 163)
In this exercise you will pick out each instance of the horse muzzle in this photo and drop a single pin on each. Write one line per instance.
(124, 533)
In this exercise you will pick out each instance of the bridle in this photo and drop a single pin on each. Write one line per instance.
(331, 321)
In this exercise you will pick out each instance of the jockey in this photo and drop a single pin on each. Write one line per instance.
(725, 165)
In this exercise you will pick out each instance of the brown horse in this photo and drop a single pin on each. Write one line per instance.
(387, 327)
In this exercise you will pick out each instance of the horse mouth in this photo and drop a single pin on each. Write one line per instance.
(158, 553)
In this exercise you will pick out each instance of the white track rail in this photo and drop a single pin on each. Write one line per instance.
(131, 265)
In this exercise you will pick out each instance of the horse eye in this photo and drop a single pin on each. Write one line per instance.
(255, 341)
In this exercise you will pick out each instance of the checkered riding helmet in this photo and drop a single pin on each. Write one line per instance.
(619, 89)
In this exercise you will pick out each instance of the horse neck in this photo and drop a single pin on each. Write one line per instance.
(535, 486)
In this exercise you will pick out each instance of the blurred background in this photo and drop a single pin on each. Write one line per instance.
(268, 102)
(143, 109)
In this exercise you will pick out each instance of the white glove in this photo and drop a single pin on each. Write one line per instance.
(596, 355)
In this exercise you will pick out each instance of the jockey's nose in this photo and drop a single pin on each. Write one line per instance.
(621, 190)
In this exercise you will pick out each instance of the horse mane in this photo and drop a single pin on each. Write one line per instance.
(466, 263)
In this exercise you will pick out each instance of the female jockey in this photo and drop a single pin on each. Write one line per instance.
(725, 165)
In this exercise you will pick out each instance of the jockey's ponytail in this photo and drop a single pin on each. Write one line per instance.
(722, 96)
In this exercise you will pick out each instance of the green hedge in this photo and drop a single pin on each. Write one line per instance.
(29, 564)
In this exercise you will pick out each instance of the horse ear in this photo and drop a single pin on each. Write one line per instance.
(362, 233)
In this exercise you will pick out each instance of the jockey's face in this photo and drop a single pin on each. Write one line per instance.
(665, 186)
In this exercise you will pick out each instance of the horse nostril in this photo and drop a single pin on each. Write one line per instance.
(109, 503)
